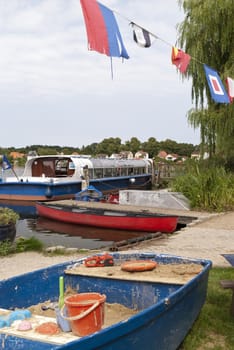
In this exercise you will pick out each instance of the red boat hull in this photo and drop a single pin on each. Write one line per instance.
(109, 219)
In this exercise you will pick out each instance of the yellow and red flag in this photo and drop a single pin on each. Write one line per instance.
(180, 59)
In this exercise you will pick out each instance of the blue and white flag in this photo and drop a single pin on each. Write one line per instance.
(217, 90)
(5, 163)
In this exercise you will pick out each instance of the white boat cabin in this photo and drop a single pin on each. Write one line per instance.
(73, 167)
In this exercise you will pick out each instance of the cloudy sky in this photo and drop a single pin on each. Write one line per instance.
(53, 91)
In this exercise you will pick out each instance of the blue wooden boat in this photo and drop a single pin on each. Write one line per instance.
(56, 177)
(165, 309)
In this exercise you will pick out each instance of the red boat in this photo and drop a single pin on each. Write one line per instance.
(99, 215)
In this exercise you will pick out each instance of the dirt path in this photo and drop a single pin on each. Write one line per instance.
(206, 239)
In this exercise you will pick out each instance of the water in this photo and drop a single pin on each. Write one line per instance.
(54, 233)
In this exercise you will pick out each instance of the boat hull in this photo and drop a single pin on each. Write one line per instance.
(45, 191)
(166, 311)
(108, 218)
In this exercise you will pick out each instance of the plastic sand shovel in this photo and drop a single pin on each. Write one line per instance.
(61, 292)
(63, 324)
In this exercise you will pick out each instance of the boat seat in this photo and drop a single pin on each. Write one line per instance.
(229, 284)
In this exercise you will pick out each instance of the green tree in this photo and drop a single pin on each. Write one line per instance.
(151, 147)
(134, 145)
(90, 149)
(169, 146)
(109, 146)
(207, 34)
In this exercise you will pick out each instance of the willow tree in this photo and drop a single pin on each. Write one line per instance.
(207, 35)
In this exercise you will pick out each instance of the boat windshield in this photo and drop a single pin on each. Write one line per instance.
(53, 167)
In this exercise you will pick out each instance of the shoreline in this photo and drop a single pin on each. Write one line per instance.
(207, 238)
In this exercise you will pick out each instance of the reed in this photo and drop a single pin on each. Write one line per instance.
(207, 188)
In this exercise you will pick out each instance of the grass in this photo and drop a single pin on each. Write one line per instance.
(214, 328)
(20, 245)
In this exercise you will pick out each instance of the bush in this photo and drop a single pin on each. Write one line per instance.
(8, 216)
(207, 188)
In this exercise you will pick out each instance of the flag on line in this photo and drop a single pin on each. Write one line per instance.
(217, 90)
(180, 59)
(230, 88)
(102, 29)
(141, 36)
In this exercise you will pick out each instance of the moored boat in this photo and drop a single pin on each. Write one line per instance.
(55, 177)
(106, 216)
(164, 305)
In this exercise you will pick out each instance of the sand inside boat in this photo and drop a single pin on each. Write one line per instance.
(114, 313)
(168, 273)
(163, 273)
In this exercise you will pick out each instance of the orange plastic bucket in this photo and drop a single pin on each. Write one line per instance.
(85, 312)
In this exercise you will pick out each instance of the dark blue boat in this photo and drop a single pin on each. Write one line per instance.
(165, 310)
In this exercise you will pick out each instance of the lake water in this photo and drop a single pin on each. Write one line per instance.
(53, 233)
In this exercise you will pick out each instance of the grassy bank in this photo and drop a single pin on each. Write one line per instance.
(214, 329)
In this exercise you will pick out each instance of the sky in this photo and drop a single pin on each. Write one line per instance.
(54, 91)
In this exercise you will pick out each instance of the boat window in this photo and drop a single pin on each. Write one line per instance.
(116, 171)
(98, 173)
(91, 174)
(138, 171)
(124, 171)
(108, 172)
(61, 167)
(48, 168)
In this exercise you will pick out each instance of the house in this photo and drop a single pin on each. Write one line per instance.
(168, 156)
(172, 157)
(16, 155)
(141, 154)
(197, 155)
(126, 155)
(162, 154)
(122, 155)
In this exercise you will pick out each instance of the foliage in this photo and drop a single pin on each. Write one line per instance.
(214, 326)
(207, 187)
(205, 20)
(20, 245)
(8, 216)
(28, 244)
(109, 146)
(6, 248)
(134, 145)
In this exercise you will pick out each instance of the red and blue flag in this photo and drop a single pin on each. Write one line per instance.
(102, 29)
(217, 90)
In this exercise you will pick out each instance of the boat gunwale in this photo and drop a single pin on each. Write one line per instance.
(101, 211)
